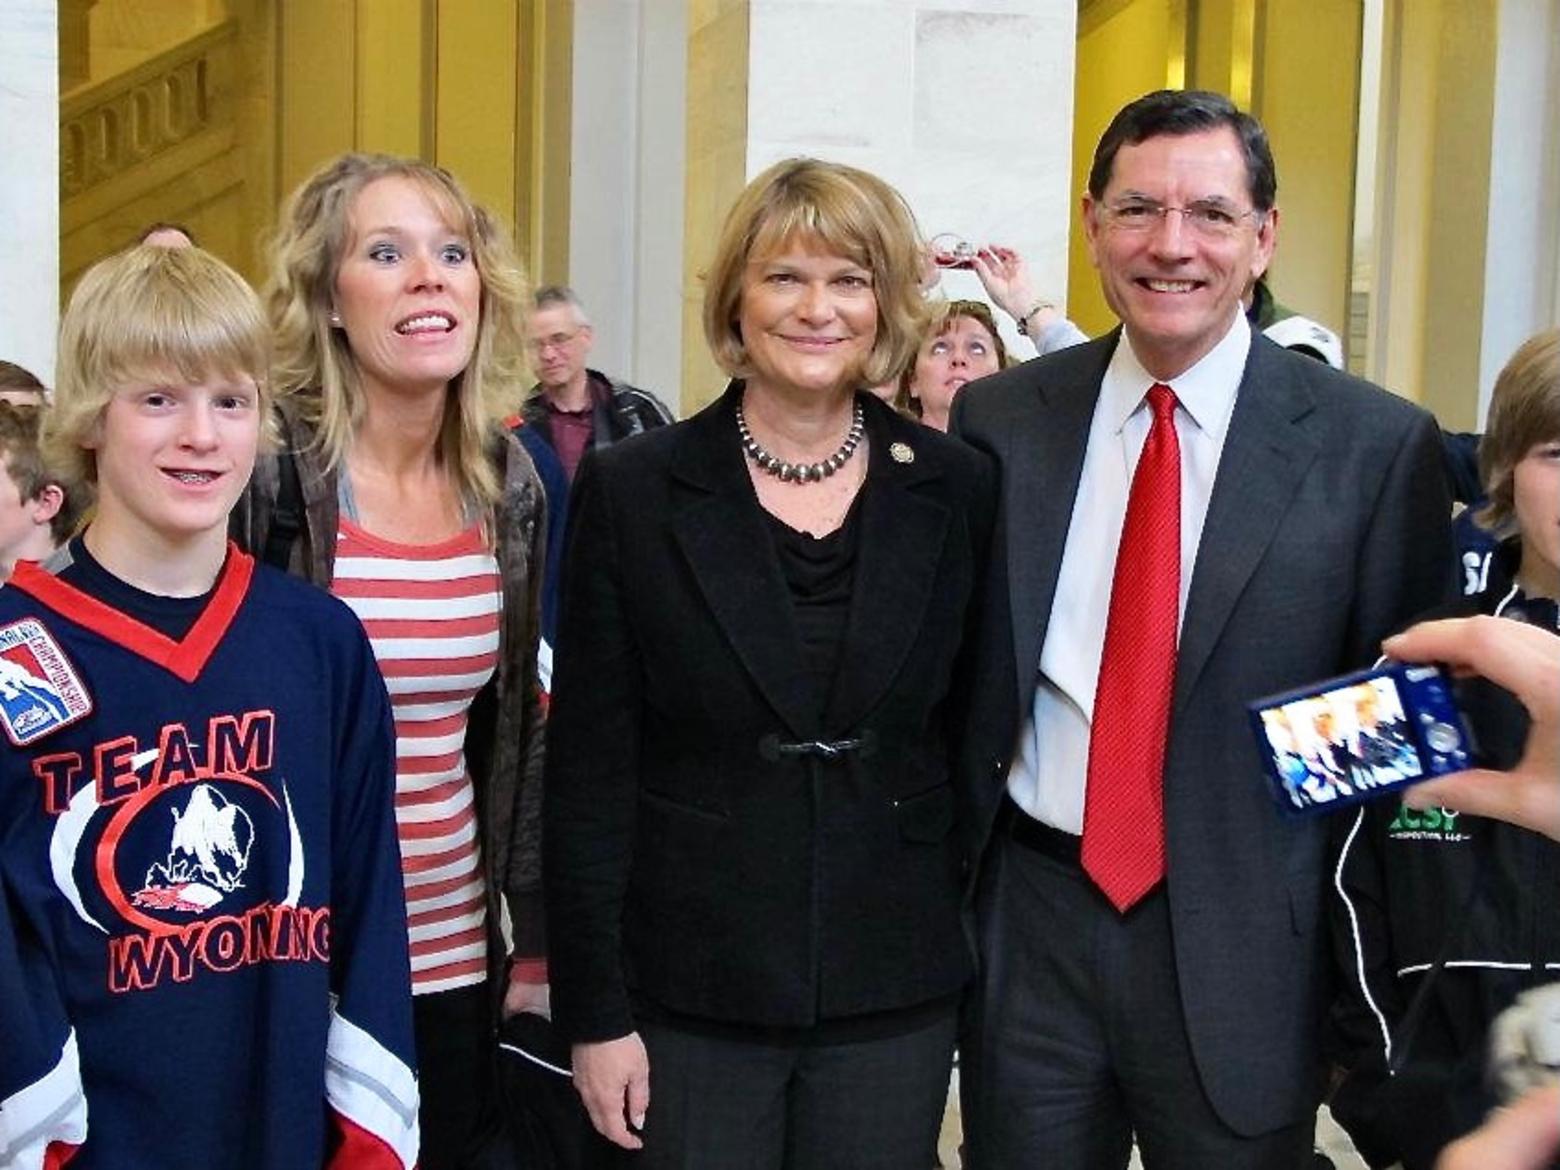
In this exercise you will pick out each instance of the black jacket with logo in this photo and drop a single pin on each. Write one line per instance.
(1405, 879)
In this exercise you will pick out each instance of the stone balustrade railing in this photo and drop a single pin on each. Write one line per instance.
(151, 108)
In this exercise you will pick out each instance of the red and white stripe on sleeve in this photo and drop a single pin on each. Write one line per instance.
(43, 1124)
(372, 1096)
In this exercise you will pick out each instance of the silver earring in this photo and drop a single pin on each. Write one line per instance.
(335, 319)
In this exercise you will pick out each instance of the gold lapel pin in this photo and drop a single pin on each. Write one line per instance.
(901, 453)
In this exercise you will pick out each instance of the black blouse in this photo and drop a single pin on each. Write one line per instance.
(820, 571)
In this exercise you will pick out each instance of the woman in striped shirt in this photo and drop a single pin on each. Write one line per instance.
(396, 302)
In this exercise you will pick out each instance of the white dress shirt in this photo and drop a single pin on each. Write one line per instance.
(1050, 766)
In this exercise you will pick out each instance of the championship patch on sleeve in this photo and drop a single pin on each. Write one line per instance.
(40, 690)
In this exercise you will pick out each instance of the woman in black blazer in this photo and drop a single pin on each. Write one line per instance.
(753, 878)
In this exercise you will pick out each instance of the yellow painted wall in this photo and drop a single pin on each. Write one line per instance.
(395, 42)
(124, 33)
(544, 137)
(1434, 175)
(478, 86)
(1222, 36)
(475, 98)
(1403, 175)
(1307, 96)
(471, 85)
(1453, 235)
(1124, 51)
(716, 170)
(317, 102)
(1292, 62)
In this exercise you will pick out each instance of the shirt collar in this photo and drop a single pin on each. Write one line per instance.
(1206, 391)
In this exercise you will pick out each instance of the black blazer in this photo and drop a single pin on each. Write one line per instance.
(1327, 529)
(692, 856)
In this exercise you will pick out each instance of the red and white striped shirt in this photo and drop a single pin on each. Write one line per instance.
(432, 615)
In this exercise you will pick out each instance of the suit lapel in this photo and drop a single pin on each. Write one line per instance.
(1042, 460)
(1266, 454)
(901, 538)
(720, 529)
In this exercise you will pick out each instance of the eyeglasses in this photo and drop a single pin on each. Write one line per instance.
(1205, 217)
(551, 341)
(950, 251)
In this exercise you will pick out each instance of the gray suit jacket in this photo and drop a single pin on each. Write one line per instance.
(1328, 527)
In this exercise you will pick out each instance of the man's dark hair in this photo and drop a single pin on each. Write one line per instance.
(1187, 111)
(20, 379)
(549, 295)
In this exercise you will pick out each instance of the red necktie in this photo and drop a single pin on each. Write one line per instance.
(1124, 814)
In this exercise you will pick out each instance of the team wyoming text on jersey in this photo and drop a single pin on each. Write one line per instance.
(192, 847)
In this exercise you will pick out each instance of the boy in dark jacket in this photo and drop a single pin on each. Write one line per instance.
(1412, 882)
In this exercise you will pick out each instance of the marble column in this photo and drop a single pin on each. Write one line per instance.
(626, 207)
(29, 184)
(964, 105)
(1522, 228)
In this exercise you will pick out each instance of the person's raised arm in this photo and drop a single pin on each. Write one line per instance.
(1004, 275)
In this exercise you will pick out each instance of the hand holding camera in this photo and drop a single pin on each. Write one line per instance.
(1526, 661)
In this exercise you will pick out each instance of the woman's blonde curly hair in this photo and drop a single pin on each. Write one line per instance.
(314, 365)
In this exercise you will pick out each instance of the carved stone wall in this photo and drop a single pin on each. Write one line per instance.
(109, 128)
(175, 124)
(29, 244)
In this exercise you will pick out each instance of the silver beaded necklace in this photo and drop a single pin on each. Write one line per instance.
(802, 472)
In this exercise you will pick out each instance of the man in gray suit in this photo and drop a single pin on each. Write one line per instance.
(1191, 518)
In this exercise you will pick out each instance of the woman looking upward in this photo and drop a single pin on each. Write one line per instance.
(962, 344)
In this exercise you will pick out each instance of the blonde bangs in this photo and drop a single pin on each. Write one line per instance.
(812, 226)
(151, 313)
(170, 335)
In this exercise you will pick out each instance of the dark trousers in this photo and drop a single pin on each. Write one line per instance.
(1077, 1041)
(724, 1104)
(456, 1054)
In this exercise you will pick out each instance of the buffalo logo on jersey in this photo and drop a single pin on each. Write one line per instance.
(40, 690)
(182, 853)
(208, 852)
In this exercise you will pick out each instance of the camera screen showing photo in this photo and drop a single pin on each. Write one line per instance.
(1341, 743)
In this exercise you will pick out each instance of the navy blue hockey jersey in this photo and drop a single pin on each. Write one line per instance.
(203, 949)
